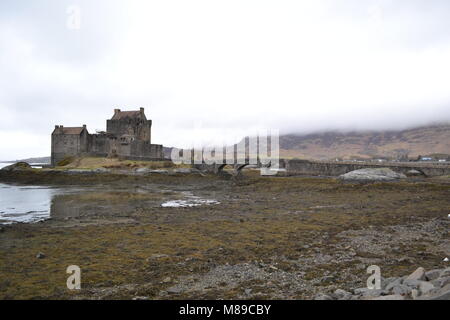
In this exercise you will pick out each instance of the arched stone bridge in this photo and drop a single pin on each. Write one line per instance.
(324, 168)
(219, 167)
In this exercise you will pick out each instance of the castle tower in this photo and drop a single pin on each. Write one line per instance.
(69, 141)
(130, 123)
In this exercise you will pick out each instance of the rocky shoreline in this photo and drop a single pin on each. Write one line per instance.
(419, 285)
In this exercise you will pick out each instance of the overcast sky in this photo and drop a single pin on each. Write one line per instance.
(210, 69)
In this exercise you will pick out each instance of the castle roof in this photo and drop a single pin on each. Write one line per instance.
(118, 114)
(69, 130)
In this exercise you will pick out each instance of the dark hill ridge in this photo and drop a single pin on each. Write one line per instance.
(40, 160)
(369, 144)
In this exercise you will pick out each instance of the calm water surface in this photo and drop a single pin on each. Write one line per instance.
(25, 203)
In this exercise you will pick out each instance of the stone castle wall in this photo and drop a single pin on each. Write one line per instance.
(138, 128)
(127, 137)
(64, 145)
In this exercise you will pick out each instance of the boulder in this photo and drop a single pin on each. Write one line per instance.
(393, 284)
(145, 171)
(419, 274)
(390, 297)
(440, 282)
(159, 171)
(433, 274)
(342, 294)
(414, 173)
(79, 171)
(322, 296)
(372, 175)
(19, 166)
(445, 273)
(401, 289)
(186, 171)
(414, 284)
(425, 287)
(442, 294)
(366, 292)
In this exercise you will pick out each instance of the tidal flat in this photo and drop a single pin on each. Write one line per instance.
(251, 238)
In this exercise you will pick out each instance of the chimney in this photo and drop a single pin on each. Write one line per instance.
(84, 126)
(56, 127)
(142, 110)
(116, 111)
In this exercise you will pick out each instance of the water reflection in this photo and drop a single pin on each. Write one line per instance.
(29, 204)
(25, 203)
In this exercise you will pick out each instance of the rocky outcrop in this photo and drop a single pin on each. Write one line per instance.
(414, 173)
(419, 285)
(87, 171)
(372, 175)
(19, 166)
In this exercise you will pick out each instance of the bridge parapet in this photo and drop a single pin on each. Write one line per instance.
(322, 168)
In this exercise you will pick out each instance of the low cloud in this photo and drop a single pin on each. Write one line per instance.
(203, 67)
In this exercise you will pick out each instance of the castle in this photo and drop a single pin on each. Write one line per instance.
(128, 135)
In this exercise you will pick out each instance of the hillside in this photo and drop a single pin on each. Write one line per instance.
(392, 144)
(39, 160)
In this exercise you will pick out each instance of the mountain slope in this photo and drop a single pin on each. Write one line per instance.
(346, 145)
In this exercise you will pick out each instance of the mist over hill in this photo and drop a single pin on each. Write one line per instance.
(413, 142)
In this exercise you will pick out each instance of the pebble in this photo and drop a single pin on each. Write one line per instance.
(157, 256)
(174, 290)
(167, 280)
(40, 255)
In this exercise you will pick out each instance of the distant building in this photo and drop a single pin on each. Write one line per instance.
(128, 135)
